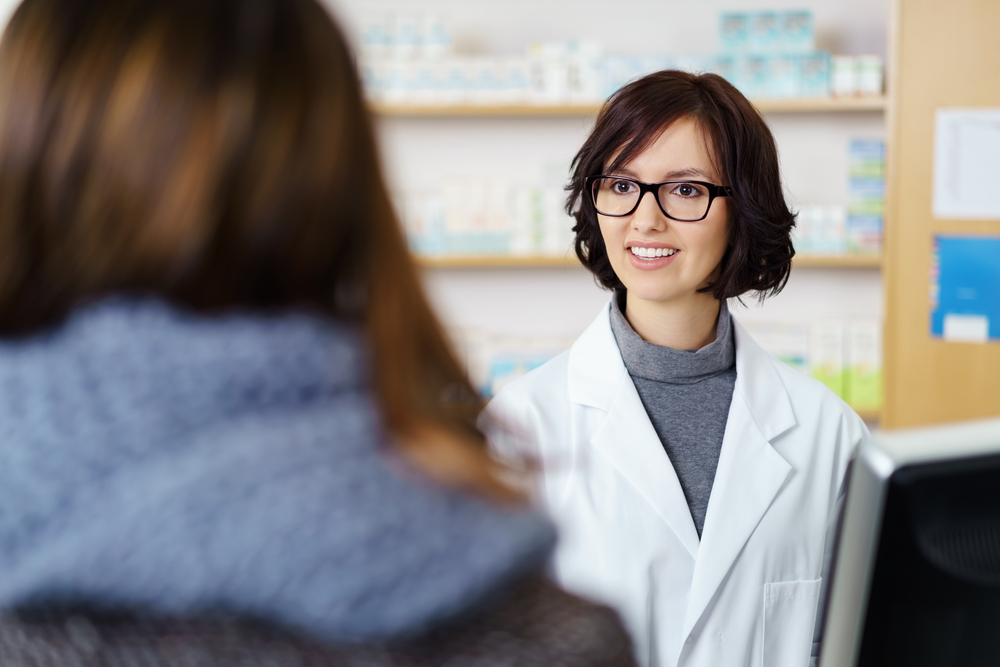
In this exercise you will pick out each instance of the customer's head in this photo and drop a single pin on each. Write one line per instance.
(216, 154)
(675, 126)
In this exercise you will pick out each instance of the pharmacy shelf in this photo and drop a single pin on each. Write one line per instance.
(497, 261)
(805, 105)
(568, 261)
(838, 261)
(485, 110)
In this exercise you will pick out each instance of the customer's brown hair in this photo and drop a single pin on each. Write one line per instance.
(760, 250)
(216, 154)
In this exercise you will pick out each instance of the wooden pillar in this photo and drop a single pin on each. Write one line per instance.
(940, 54)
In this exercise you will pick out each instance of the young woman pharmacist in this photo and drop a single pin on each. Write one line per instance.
(693, 477)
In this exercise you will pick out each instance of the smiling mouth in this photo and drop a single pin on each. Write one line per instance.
(652, 253)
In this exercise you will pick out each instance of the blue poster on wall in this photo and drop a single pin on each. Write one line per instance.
(965, 288)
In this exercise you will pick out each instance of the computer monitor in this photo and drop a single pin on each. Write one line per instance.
(915, 578)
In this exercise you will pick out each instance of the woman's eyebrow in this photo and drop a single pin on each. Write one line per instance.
(691, 172)
(624, 172)
(688, 173)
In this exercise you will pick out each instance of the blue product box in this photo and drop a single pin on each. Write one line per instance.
(814, 77)
(866, 158)
(765, 33)
(798, 33)
(784, 76)
(734, 32)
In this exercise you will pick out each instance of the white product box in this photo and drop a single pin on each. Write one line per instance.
(434, 39)
(584, 74)
(826, 354)
(456, 86)
(403, 41)
(486, 76)
(549, 75)
(868, 75)
(515, 82)
(843, 76)
(397, 81)
(374, 35)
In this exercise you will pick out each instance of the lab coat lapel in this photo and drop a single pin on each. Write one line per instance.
(750, 472)
(598, 378)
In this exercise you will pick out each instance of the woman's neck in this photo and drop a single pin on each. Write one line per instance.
(682, 325)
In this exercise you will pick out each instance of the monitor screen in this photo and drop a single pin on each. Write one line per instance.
(915, 578)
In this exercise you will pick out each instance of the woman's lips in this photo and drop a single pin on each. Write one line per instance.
(650, 263)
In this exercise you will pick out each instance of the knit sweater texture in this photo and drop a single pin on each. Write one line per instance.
(183, 464)
(687, 394)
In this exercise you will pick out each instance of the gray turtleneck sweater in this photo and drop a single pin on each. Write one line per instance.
(686, 394)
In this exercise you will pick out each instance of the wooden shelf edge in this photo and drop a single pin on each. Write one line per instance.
(777, 105)
(838, 261)
(485, 110)
(820, 104)
(517, 261)
(496, 261)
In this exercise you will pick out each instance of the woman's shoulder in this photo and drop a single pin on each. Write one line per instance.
(543, 383)
(811, 400)
(237, 464)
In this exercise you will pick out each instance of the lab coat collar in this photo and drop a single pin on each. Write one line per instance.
(595, 365)
(598, 378)
(596, 370)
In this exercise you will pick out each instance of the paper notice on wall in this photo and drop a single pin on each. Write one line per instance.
(967, 164)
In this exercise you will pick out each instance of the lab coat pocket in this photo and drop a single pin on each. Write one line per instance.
(789, 617)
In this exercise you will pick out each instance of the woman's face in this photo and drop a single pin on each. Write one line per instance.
(680, 152)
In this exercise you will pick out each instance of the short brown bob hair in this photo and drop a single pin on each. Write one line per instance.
(760, 250)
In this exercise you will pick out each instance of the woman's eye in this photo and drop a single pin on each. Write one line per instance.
(622, 187)
(688, 190)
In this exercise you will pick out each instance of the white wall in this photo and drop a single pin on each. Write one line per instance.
(421, 152)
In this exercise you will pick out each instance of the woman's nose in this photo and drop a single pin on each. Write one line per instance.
(648, 216)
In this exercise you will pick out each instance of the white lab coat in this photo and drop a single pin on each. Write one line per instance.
(747, 592)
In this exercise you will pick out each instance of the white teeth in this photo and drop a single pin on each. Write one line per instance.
(639, 251)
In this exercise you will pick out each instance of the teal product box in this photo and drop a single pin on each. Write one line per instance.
(784, 76)
(752, 74)
(734, 32)
(765, 33)
(798, 32)
(814, 74)
(725, 66)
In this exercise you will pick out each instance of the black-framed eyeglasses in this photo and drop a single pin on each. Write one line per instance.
(684, 201)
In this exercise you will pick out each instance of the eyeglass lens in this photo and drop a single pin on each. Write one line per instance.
(680, 200)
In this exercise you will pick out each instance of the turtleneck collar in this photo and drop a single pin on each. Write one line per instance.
(665, 364)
